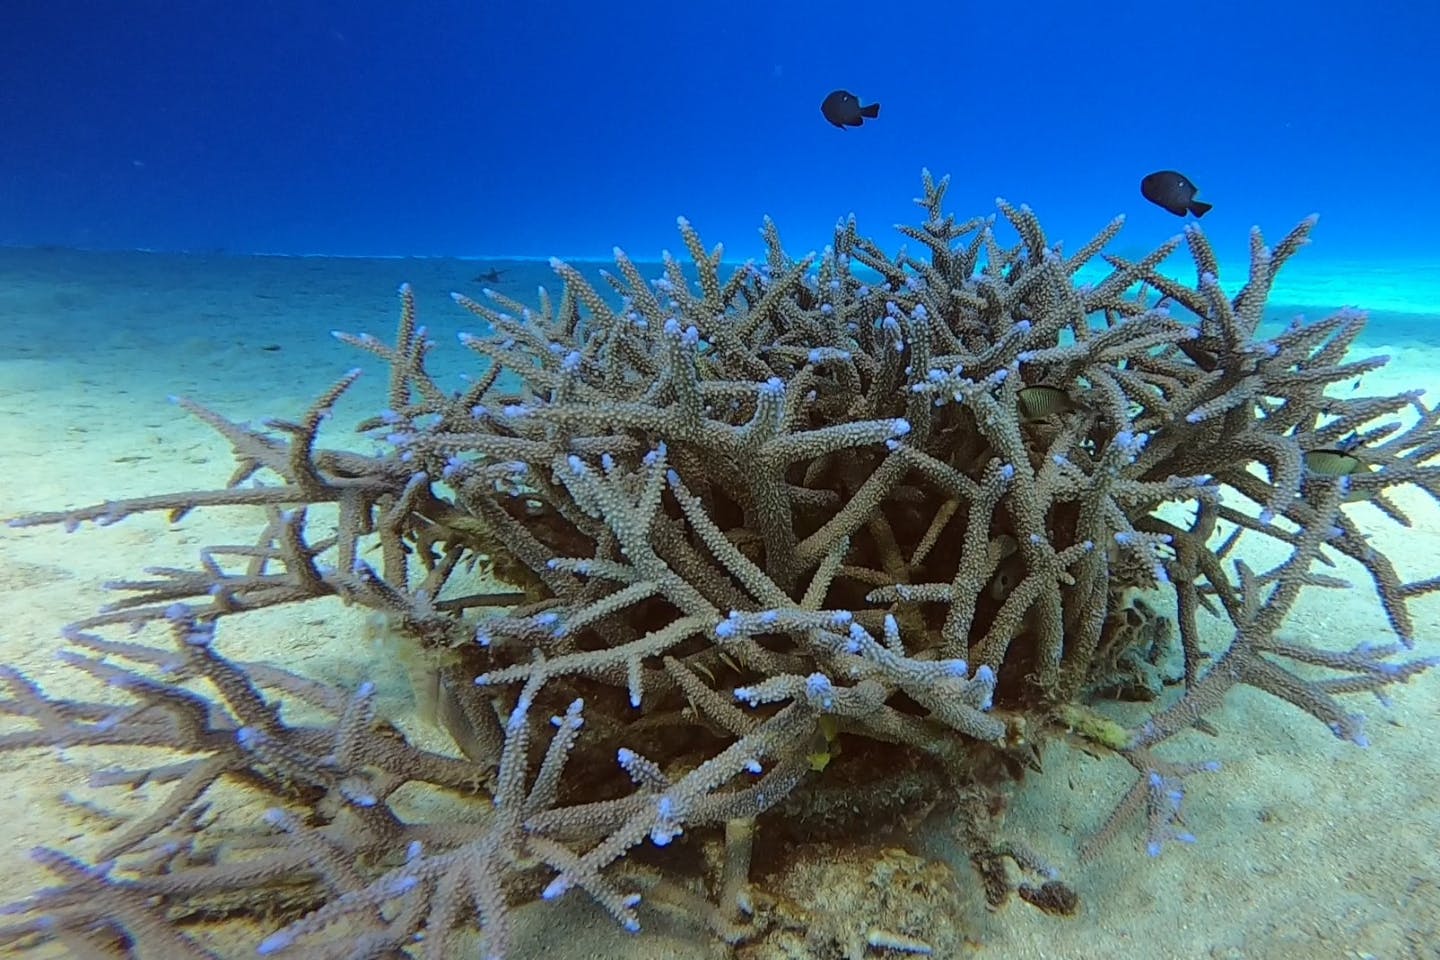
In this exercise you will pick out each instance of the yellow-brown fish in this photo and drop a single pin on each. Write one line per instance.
(824, 743)
(1332, 463)
(1040, 401)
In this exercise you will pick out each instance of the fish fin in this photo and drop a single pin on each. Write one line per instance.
(871, 111)
(1178, 211)
(1200, 208)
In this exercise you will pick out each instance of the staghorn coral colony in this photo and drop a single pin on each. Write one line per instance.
(730, 569)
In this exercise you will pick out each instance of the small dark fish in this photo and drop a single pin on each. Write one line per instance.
(843, 109)
(490, 276)
(1174, 192)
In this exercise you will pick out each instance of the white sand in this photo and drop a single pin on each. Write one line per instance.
(1308, 847)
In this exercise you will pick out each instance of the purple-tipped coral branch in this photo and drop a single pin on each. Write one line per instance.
(791, 553)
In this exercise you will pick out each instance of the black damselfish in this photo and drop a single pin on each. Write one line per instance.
(1174, 192)
(843, 109)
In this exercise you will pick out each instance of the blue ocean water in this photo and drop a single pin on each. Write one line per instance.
(566, 127)
(193, 195)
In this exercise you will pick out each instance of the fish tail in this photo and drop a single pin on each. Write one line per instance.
(872, 111)
(1200, 207)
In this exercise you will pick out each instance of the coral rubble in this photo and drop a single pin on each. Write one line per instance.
(802, 547)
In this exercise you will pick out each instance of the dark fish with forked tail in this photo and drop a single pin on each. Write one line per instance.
(843, 109)
(1174, 192)
(490, 276)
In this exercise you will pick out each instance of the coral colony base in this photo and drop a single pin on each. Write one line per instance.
(786, 556)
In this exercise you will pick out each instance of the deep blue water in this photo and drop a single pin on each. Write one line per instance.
(565, 127)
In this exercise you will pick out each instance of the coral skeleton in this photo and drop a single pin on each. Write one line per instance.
(782, 554)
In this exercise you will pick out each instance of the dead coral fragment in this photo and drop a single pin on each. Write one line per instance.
(1052, 896)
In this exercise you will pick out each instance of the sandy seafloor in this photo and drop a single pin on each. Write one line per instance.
(1308, 847)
